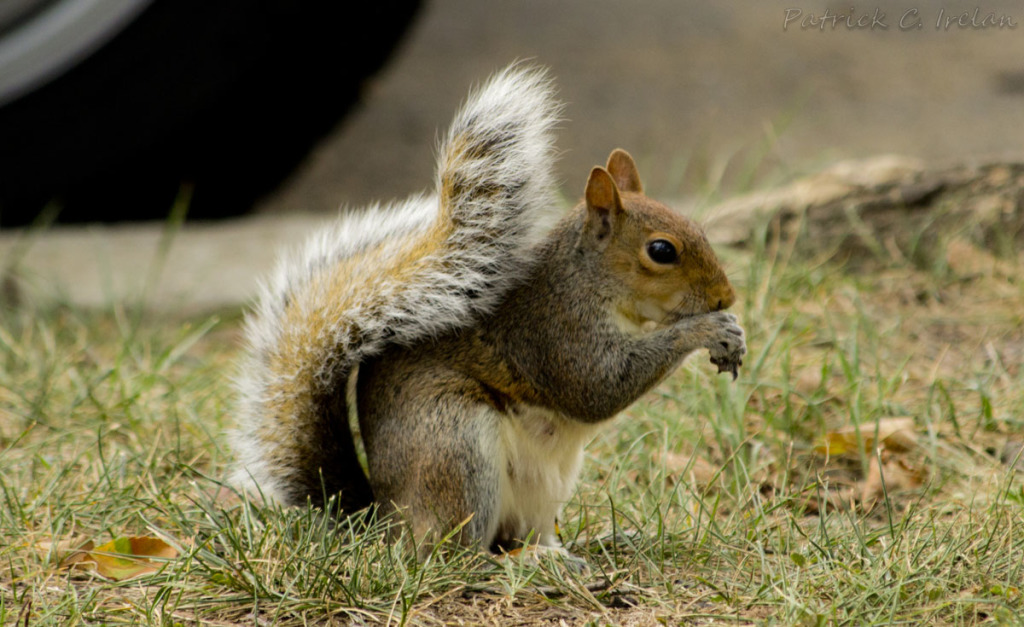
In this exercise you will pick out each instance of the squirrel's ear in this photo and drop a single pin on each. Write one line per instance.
(604, 207)
(623, 170)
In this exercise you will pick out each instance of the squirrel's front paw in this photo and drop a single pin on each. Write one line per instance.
(727, 344)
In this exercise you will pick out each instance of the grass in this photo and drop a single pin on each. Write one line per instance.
(707, 502)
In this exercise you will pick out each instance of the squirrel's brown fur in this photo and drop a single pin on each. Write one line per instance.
(595, 324)
(485, 368)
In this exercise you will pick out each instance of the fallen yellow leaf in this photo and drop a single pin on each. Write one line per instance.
(125, 557)
(894, 434)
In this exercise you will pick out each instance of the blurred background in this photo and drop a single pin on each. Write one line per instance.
(110, 109)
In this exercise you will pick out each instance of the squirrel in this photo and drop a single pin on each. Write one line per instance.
(480, 337)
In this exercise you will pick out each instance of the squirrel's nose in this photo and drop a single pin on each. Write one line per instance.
(721, 297)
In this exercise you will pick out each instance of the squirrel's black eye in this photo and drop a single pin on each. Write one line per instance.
(662, 251)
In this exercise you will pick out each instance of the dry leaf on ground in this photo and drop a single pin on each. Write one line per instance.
(888, 473)
(122, 558)
(67, 551)
(835, 499)
(894, 434)
(690, 468)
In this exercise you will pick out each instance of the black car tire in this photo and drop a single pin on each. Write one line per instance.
(223, 96)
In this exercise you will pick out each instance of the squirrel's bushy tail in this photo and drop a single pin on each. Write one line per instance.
(387, 275)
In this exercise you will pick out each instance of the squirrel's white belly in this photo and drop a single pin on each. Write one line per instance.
(541, 452)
